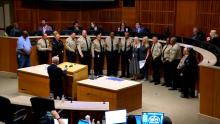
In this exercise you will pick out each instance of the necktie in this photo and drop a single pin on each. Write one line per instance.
(87, 44)
(45, 41)
(164, 51)
(112, 45)
(153, 48)
(125, 45)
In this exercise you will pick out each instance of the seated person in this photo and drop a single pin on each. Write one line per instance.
(55, 76)
(167, 120)
(94, 29)
(13, 30)
(139, 30)
(122, 28)
(44, 27)
(76, 28)
(198, 35)
(213, 38)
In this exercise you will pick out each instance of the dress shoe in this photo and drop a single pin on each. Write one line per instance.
(172, 89)
(183, 96)
(164, 84)
(157, 83)
(122, 76)
(152, 81)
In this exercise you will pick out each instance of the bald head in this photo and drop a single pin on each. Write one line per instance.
(55, 60)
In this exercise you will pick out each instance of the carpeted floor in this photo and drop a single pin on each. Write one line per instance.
(154, 99)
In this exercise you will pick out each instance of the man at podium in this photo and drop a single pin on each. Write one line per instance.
(55, 76)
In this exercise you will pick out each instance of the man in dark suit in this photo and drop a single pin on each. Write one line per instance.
(55, 75)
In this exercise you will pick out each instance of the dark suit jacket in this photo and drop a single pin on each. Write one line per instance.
(57, 47)
(55, 75)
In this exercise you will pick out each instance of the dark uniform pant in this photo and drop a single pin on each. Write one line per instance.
(156, 63)
(71, 56)
(167, 74)
(112, 63)
(174, 73)
(98, 63)
(86, 60)
(125, 64)
(43, 57)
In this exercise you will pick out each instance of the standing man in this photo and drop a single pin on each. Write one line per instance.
(98, 46)
(23, 50)
(57, 47)
(174, 59)
(84, 48)
(55, 75)
(71, 47)
(166, 64)
(43, 47)
(126, 52)
(156, 51)
(112, 47)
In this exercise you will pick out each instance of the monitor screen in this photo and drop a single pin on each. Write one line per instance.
(83, 122)
(64, 120)
(152, 117)
(138, 119)
(114, 117)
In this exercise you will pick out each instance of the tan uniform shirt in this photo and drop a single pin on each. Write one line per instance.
(71, 44)
(128, 44)
(42, 46)
(166, 52)
(156, 50)
(82, 45)
(108, 44)
(96, 46)
(175, 52)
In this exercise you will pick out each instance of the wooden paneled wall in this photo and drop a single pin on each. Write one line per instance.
(180, 16)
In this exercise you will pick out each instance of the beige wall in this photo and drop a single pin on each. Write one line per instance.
(5, 15)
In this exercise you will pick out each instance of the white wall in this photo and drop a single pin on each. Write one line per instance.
(5, 15)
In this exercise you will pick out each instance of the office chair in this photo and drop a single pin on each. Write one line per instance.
(41, 108)
(8, 116)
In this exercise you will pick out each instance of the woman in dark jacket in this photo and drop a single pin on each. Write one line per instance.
(188, 73)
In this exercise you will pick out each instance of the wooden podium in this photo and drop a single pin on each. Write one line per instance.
(34, 80)
(120, 93)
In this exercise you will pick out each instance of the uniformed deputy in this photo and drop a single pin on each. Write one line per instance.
(57, 47)
(166, 64)
(71, 47)
(156, 51)
(98, 49)
(126, 52)
(112, 47)
(175, 56)
(84, 47)
(43, 48)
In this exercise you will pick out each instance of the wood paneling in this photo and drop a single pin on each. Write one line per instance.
(209, 91)
(185, 17)
(209, 15)
(180, 16)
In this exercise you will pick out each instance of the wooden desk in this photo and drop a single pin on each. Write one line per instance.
(123, 94)
(75, 110)
(34, 80)
(66, 105)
